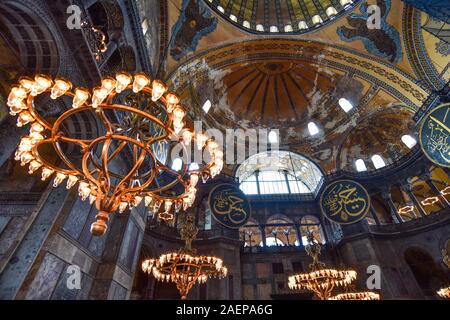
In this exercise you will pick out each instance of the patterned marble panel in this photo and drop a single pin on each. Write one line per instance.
(46, 278)
(15, 272)
(3, 222)
(77, 218)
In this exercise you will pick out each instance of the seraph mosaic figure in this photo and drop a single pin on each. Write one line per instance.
(195, 22)
(384, 42)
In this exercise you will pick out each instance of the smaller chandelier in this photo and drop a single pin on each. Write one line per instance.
(367, 295)
(320, 280)
(444, 293)
(185, 268)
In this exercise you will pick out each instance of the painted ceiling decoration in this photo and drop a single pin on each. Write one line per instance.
(383, 43)
(280, 16)
(284, 84)
(195, 21)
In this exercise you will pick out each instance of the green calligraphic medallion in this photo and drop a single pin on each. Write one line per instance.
(434, 135)
(229, 205)
(345, 202)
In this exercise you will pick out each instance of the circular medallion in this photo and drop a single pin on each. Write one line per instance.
(434, 135)
(229, 205)
(345, 202)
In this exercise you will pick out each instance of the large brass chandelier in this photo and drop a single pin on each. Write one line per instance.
(319, 279)
(184, 267)
(145, 126)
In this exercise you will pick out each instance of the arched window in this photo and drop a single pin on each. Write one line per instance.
(279, 172)
(273, 137)
(360, 165)
(345, 104)
(311, 224)
(378, 161)
(313, 129)
(409, 141)
(280, 231)
(250, 233)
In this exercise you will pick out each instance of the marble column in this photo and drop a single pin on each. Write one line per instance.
(386, 195)
(374, 215)
(299, 235)
(262, 229)
(407, 188)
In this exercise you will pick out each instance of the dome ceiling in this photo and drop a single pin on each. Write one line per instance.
(275, 93)
(280, 16)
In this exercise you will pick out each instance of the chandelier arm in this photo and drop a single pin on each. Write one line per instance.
(37, 155)
(101, 114)
(105, 169)
(35, 114)
(132, 171)
(63, 157)
(87, 173)
(118, 190)
(118, 149)
(139, 112)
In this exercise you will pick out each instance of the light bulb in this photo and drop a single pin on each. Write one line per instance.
(16, 94)
(122, 207)
(201, 140)
(36, 127)
(24, 118)
(58, 179)
(187, 137)
(71, 181)
(84, 190)
(148, 200)
(140, 81)
(17, 107)
(123, 80)
(212, 146)
(46, 173)
(98, 96)
(25, 144)
(178, 125)
(157, 205)
(158, 89)
(92, 199)
(172, 100)
(81, 96)
(167, 205)
(137, 200)
(34, 165)
(179, 113)
(41, 83)
(26, 83)
(36, 137)
(59, 88)
(109, 84)
(25, 158)
(193, 180)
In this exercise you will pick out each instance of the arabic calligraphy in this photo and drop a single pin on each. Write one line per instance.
(229, 205)
(345, 202)
(434, 135)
